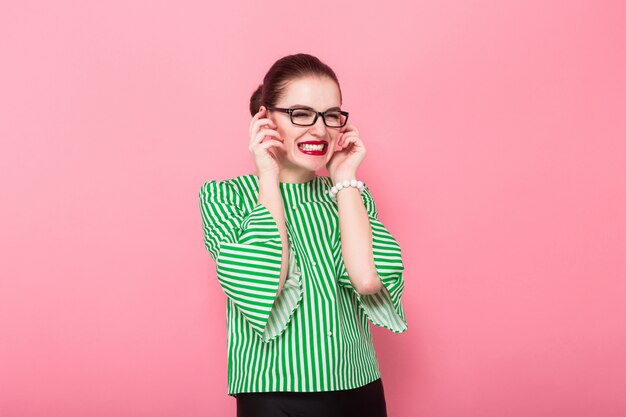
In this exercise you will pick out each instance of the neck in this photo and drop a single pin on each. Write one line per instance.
(295, 176)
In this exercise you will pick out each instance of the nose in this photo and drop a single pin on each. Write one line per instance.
(319, 128)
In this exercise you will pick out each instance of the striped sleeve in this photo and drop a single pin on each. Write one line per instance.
(383, 308)
(247, 249)
(287, 301)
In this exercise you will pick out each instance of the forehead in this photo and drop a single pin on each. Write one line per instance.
(318, 93)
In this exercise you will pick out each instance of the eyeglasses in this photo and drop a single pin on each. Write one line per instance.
(308, 117)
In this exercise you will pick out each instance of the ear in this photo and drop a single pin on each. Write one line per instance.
(267, 114)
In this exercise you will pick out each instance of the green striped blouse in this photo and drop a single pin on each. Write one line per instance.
(313, 336)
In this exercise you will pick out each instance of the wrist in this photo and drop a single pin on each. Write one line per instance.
(268, 179)
(340, 176)
(345, 184)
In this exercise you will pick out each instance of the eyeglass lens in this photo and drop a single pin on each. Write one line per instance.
(306, 117)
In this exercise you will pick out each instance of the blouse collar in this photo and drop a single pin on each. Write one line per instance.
(312, 190)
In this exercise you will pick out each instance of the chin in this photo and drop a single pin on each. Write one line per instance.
(310, 163)
(313, 166)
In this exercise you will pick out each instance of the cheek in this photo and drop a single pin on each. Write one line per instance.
(290, 143)
(289, 137)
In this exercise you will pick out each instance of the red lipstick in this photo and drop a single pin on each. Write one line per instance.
(314, 149)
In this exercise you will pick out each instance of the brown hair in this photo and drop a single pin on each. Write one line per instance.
(286, 69)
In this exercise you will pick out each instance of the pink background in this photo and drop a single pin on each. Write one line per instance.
(496, 136)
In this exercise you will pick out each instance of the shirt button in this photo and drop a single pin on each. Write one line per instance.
(313, 262)
(330, 333)
(294, 207)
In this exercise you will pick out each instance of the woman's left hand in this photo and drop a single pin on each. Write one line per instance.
(345, 162)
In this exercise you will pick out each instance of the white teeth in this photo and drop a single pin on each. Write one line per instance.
(309, 147)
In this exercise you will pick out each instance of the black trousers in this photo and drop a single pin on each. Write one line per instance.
(365, 401)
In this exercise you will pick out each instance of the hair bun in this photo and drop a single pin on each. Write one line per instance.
(288, 68)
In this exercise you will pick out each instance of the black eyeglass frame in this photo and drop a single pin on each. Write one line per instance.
(317, 114)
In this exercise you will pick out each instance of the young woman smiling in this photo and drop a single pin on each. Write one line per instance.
(303, 259)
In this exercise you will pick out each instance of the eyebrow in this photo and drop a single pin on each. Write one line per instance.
(311, 108)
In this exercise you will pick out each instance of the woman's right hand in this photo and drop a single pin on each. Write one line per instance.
(267, 163)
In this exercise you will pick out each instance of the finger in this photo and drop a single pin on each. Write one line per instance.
(351, 131)
(352, 139)
(258, 124)
(349, 128)
(268, 140)
(272, 143)
(346, 137)
(262, 147)
(260, 115)
(353, 135)
(256, 117)
(340, 138)
(261, 123)
(260, 136)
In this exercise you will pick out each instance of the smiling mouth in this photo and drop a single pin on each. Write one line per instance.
(313, 148)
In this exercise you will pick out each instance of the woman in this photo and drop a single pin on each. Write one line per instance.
(304, 263)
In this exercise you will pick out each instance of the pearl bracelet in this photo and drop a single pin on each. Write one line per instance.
(345, 184)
